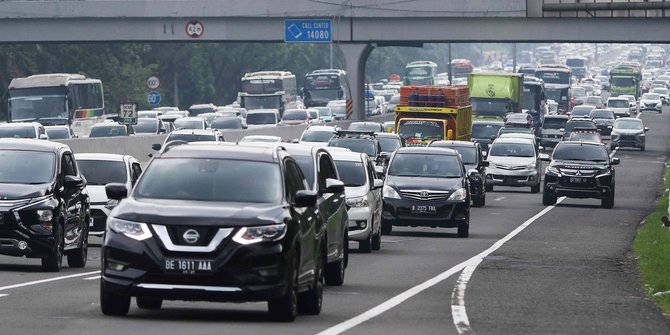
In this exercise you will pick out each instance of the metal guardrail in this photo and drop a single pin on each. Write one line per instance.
(605, 8)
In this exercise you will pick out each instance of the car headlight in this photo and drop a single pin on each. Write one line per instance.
(530, 166)
(135, 230)
(358, 202)
(551, 169)
(249, 235)
(45, 215)
(459, 195)
(390, 192)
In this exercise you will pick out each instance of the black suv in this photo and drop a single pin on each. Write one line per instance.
(579, 170)
(215, 222)
(483, 132)
(578, 123)
(357, 141)
(475, 165)
(44, 206)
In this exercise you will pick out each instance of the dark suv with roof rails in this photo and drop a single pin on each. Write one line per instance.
(579, 170)
(44, 206)
(215, 222)
(358, 141)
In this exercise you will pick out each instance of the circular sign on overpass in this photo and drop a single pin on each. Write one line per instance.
(194, 29)
(153, 82)
(153, 98)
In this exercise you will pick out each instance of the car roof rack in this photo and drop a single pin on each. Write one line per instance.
(354, 133)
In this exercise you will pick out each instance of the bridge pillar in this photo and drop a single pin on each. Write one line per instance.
(355, 57)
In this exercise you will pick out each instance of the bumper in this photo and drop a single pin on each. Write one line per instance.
(448, 214)
(597, 188)
(628, 141)
(255, 272)
(647, 108)
(514, 178)
(98, 222)
(22, 237)
(360, 223)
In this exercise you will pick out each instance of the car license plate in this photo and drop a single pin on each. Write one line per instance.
(511, 181)
(577, 180)
(187, 266)
(424, 209)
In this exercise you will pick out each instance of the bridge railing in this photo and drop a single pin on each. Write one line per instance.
(605, 8)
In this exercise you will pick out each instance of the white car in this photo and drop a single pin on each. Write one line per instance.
(664, 93)
(339, 108)
(620, 106)
(100, 170)
(152, 114)
(261, 138)
(363, 197)
(651, 101)
(634, 108)
(259, 118)
(191, 122)
(318, 135)
(32, 130)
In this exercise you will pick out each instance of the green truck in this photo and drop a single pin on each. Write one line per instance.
(625, 79)
(495, 94)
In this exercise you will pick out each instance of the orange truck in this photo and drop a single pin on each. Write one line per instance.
(428, 113)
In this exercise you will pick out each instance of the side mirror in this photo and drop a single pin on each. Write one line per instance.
(116, 191)
(44, 137)
(545, 157)
(379, 170)
(334, 186)
(73, 182)
(485, 163)
(156, 146)
(615, 161)
(646, 129)
(562, 130)
(378, 183)
(541, 148)
(385, 155)
(472, 173)
(295, 140)
(493, 137)
(305, 198)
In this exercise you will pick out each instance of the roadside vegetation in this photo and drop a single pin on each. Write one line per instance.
(652, 249)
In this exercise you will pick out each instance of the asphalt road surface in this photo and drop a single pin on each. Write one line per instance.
(568, 270)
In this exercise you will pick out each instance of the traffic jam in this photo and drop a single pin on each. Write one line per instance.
(278, 220)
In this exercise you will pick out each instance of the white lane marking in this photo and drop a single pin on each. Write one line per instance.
(458, 312)
(93, 278)
(42, 281)
(3, 295)
(459, 315)
(400, 298)
(499, 198)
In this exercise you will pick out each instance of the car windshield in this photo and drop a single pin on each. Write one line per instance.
(108, 131)
(480, 130)
(204, 179)
(189, 124)
(512, 150)
(618, 103)
(190, 137)
(58, 133)
(146, 126)
(513, 130)
(317, 135)
(572, 152)
(26, 167)
(356, 145)
(365, 126)
(389, 144)
(198, 111)
(294, 115)
(421, 129)
(100, 172)
(601, 114)
(593, 100)
(351, 173)
(325, 111)
(17, 132)
(581, 111)
(425, 165)
(628, 124)
(650, 96)
(554, 123)
(226, 123)
(587, 137)
(261, 118)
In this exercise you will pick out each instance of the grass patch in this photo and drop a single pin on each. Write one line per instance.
(652, 248)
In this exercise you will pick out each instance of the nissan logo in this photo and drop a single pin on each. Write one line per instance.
(191, 236)
(424, 194)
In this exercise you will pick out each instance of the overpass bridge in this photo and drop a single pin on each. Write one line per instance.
(358, 25)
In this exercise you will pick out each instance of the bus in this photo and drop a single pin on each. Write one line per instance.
(420, 73)
(557, 85)
(57, 99)
(323, 86)
(460, 68)
(578, 65)
(269, 90)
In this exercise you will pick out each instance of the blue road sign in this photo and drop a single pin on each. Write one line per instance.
(154, 98)
(308, 31)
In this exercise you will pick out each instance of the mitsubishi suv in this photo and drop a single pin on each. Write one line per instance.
(215, 222)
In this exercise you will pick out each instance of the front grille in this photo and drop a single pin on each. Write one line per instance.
(424, 195)
(14, 203)
(627, 137)
(204, 234)
(510, 167)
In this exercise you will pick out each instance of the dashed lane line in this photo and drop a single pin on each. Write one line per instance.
(42, 281)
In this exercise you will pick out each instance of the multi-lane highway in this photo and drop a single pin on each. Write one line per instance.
(529, 269)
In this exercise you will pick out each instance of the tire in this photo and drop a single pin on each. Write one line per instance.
(334, 272)
(548, 198)
(54, 261)
(377, 240)
(112, 303)
(366, 246)
(285, 308)
(535, 189)
(488, 188)
(77, 258)
(387, 228)
(608, 201)
(149, 303)
(346, 249)
(464, 227)
(310, 302)
(642, 148)
(479, 202)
